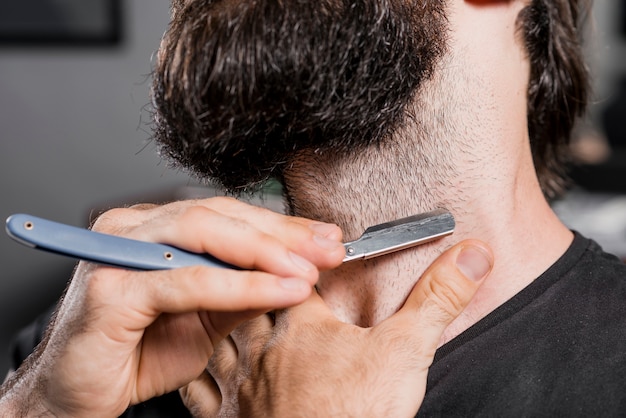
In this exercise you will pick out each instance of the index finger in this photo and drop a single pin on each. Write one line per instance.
(262, 240)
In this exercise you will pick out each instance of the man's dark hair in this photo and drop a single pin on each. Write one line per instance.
(559, 87)
(242, 85)
(235, 99)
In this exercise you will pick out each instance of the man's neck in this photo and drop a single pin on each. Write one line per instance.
(465, 148)
(506, 210)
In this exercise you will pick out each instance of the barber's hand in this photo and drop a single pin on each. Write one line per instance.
(122, 337)
(309, 364)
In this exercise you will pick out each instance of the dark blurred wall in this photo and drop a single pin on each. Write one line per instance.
(72, 138)
(56, 22)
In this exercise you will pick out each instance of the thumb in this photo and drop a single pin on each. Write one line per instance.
(445, 289)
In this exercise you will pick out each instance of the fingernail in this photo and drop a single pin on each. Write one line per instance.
(293, 284)
(325, 230)
(473, 263)
(300, 262)
(326, 243)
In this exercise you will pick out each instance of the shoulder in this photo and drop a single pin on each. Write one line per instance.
(593, 274)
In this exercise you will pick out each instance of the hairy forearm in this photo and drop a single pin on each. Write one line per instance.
(20, 394)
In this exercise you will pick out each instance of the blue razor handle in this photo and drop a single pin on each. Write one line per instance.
(112, 250)
(101, 248)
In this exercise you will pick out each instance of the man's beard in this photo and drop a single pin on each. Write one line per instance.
(242, 86)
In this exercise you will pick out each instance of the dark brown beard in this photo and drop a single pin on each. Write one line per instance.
(241, 86)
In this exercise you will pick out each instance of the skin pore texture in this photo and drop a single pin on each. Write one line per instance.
(467, 151)
(459, 141)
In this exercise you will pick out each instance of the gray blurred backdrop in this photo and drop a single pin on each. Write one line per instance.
(74, 139)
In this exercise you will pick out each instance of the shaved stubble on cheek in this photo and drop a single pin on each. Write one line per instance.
(242, 86)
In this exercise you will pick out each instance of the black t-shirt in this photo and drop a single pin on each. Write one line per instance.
(556, 349)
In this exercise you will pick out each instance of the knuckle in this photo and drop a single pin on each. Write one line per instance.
(234, 207)
(445, 298)
(112, 221)
(194, 215)
(120, 221)
(195, 276)
(249, 281)
(264, 247)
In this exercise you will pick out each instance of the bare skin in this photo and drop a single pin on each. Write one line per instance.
(307, 363)
(474, 160)
(123, 337)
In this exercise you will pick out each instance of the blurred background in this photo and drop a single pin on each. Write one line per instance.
(75, 135)
(74, 82)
